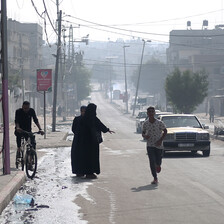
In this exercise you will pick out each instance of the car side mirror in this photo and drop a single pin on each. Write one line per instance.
(205, 126)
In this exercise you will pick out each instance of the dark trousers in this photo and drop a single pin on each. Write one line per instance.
(155, 159)
(19, 136)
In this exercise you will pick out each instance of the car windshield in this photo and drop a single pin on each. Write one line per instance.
(181, 121)
(142, 115)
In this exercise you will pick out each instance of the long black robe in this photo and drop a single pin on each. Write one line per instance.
(75, 153)
(88, 146)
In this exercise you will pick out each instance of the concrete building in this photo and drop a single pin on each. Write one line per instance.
(24, 57)
(199, 50)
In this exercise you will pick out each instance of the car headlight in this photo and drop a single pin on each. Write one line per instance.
(169, 137)
(203, 136)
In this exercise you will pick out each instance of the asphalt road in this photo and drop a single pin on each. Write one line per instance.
(190, 188)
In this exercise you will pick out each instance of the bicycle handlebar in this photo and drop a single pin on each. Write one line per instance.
(31, 133)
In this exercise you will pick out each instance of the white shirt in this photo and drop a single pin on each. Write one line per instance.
(154, 130)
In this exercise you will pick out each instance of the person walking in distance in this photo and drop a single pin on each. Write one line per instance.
(154, 132)
(211, 114)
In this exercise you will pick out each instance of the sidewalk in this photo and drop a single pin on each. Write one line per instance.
(10, 184)
(205, 120)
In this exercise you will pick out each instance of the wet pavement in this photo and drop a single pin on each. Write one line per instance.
(54, 190)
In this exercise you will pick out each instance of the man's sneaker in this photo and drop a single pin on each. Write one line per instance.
(158, 169)
(155, 181)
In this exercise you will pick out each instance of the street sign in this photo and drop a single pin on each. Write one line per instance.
(44, 80)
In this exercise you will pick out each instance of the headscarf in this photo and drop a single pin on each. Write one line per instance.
(90, 115)
(90, 111)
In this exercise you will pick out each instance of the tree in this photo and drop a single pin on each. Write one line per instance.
(82, 79)
(186, 90)
(102, 72)
(152, 78)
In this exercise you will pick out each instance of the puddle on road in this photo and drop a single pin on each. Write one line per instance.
(54, 187)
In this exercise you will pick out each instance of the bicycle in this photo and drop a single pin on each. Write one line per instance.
(28, 148)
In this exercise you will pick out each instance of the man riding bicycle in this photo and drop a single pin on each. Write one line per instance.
(23, 122)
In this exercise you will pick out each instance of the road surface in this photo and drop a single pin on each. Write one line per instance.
(190, 188)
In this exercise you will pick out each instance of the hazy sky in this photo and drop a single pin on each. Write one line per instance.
(155, 17)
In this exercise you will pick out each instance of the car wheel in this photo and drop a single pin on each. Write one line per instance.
(206, 153)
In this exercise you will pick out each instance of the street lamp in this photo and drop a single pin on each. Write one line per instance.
(136, 94)
(110, 78)
(125, 79)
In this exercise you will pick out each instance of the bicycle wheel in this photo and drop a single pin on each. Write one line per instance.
(31, 163)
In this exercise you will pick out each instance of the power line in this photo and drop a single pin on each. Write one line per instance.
(45, 24)
(142, 32)
(119, 64)
(173, 43)
(49, 17)
(166, 20)
(41, 15)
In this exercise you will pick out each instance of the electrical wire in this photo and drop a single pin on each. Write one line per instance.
(141, 32)
(19, 5)
(167, 20)
(117, 64)
(49, 17)
(41, 15)
(44, 19)
(171, 43)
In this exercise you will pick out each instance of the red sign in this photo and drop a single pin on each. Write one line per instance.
(44, 80)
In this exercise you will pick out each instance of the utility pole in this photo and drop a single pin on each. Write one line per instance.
(56, 74)
(125, 79)
(110, 76)
(139, 74)
(21, 67)
(4, 61)
(64, 111)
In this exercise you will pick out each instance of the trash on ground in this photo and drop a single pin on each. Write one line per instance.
(25, 199)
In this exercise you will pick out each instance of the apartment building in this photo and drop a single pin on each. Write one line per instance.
(198, 50)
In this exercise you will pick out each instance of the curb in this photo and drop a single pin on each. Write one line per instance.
(10, 189)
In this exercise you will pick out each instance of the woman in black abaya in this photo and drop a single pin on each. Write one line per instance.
(89, 140)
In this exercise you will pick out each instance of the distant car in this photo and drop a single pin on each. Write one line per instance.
(142, 115)
(218, 127)
(141, 118)
(159, 113)
(185, 133)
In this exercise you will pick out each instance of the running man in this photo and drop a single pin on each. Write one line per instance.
(154, 132)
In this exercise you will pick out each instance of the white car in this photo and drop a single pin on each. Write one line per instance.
(185, 133)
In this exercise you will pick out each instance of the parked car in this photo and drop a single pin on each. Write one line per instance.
(185, 133)
(218, 127)
(142, 115)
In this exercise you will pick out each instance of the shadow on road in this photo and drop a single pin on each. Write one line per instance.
(144, 188)
(76, 180)
(173, 155)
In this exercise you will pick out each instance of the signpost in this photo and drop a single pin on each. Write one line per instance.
(44, 84)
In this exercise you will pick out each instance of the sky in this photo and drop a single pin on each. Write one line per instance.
(152, 20)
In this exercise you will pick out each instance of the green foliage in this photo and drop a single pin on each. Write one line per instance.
(83, 83)
(81, 76)
(186, 90)
(102, 72)
(152, 77)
